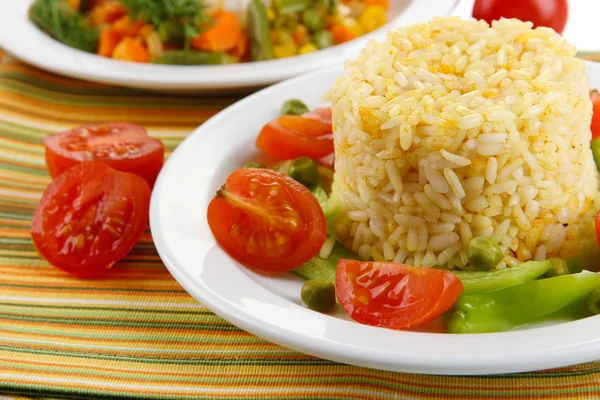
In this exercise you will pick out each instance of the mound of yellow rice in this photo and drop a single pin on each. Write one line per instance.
(453, 129)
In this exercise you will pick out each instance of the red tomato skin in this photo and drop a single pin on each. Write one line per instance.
(290, 136)
(550, 13)
(304, 244)
(427, 293)
(93, 184)
(595, 127)
(147, 163)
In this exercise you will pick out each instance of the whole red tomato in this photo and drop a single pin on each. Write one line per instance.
(550, 13)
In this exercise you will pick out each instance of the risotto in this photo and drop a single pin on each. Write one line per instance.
(454, 129)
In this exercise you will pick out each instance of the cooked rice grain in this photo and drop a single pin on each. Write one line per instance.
(453, 129)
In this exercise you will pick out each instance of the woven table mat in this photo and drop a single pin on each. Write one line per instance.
(137, 333)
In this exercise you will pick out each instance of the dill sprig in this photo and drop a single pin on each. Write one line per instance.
(190, 13)
(66, 25)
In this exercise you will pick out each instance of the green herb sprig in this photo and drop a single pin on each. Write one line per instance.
(190, 13)
(59, 20)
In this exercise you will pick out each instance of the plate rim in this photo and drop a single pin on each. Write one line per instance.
(18, 36)
(504, 360)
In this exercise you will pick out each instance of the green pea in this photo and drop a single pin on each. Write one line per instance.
(331, 6)
(293, 107)
(171, 33)
(592, 302)
(305, 171)
(323, 39)
(254, 164)
(318, 295)
(483, 253)
(559, 268)
(313, 20)
(286, 22)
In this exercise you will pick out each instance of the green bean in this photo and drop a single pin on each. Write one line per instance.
(483, 253)
(497, 279)
(530, 302)
(291, 6)
(261, 47)
(595, 146)
(313, 19)
(181, 57)
(593, 302)
(559, 268)
(294, 107)
(318, 295)
(323, 39)
(171, 33)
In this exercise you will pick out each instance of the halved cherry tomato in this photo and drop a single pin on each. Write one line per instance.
(90, 217)
(595, 96)
(396, 296)
(123, 146)
(550, 13)
(293, 136)
(266, 220)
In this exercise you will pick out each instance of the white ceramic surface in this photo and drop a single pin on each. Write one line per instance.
(582, 19)
(270, 306)
(25, 41)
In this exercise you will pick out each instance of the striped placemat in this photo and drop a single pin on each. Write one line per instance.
(138, 334)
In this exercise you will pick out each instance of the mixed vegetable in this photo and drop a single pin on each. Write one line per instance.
(276, 219)
(198, 32)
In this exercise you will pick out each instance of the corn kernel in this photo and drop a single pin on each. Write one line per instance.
(333, 19)
(354, 27)
(270, 14)
(307, 48)
(285, 50)
(372, 18)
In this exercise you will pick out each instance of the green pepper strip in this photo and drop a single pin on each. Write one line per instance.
(489, 281)
(524, 304)
(323, 268)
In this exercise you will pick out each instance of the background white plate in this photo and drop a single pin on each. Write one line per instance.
(582, 19)
(25, 41)
(270, 306)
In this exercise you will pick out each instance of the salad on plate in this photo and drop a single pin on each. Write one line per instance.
(211, 32)
(453, 179)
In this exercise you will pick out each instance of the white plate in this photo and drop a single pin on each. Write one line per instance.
(25, 41)
(270, 307)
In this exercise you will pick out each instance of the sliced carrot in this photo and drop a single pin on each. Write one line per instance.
(130, 49)
(128, 28)
(341, 33)
(300, 35)
(74, 4)
(273, 35)
(382, 3)
(109, 38)
(241, 48)
(223, 35)
(107, 13)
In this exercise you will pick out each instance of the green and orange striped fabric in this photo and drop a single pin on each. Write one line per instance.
(137, 333)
